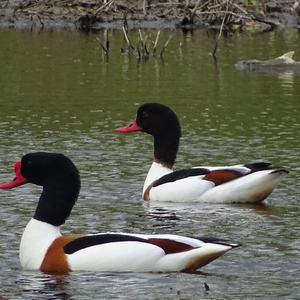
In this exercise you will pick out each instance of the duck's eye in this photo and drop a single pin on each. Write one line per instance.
(145, 115)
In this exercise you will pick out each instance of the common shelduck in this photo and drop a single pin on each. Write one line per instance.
(44, 248)
(249, 183)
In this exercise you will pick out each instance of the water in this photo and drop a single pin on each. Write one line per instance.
(59, 94)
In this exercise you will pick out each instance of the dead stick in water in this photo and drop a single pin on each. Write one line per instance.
(145, 47)
(165, 46)
(156, 42)
(105, 49)
(125, 23)
(106, 40)
(141, 36)
(130, 47)
(220, 33)
(42, 24)
(142, 42)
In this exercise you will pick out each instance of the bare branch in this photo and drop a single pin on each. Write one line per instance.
(165, 45)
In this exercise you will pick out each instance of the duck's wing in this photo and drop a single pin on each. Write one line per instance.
(239, 183)
(190, 184)
(141, 253)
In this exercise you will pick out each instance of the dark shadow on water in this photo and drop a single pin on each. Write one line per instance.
(168, 210)
(163, 214)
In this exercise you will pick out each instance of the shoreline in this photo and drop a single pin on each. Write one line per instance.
(89, 15)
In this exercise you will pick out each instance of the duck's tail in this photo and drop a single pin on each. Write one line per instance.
(250, 188)
(190, 261)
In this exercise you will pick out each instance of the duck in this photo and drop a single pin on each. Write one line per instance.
(44, 248)
(242, 183)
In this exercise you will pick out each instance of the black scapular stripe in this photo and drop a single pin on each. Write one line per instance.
(258, 166)
(224, 242)
(93, 240)
(176, 175)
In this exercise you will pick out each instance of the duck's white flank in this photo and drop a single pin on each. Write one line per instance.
(156, 171)
(116, 257)
(186, 189)
(36, 239)
(253, 187)
(134, 256)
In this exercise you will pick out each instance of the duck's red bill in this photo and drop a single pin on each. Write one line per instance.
(17, 181)
(132, 127)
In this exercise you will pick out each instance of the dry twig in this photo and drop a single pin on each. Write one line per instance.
(165, 46)
(220, 33)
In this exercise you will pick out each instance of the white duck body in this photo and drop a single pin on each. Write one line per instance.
(156, 171)
(122, 256)
(36, 239)
(134, 256)
(249, 188)
(43, 247)
(250, 183)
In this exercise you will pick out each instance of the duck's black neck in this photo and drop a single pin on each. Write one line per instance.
(165, 149)
(56, 203)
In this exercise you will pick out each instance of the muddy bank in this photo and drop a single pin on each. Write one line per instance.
(99, 14)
